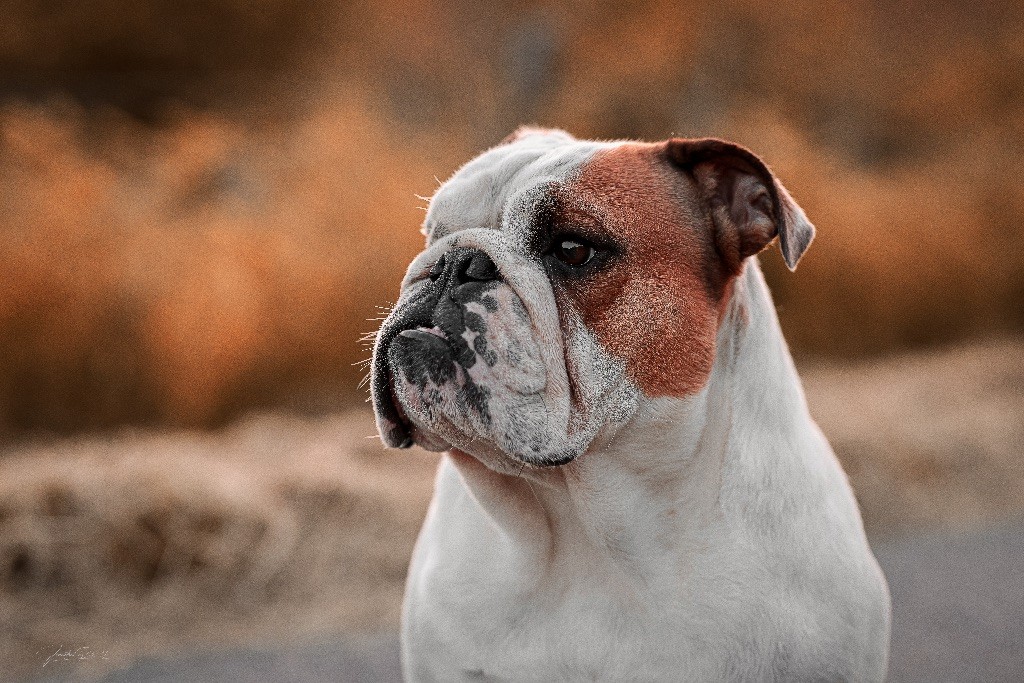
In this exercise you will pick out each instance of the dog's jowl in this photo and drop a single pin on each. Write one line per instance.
(632, 487)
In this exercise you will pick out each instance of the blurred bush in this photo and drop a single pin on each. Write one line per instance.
(270, 530)
(143, 54)
(204, 203)
(183, 273)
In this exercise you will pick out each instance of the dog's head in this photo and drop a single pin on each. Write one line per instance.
(563, 283)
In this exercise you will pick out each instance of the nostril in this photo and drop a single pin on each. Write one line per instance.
(437, 270)
(478, 268)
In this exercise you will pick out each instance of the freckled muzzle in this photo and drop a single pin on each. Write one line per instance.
(474, 356)
(429, 335)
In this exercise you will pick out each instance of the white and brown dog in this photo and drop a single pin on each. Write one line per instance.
(633, 488)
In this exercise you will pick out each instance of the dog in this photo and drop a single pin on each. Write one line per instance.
(632, 487)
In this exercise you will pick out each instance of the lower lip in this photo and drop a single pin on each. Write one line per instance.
(400, 412)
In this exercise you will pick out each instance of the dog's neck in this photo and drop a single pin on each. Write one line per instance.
(658, 481)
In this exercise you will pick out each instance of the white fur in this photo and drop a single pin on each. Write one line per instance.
(713, 538)
(701, 539)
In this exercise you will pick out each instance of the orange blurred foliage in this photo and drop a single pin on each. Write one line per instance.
(206, 222)
(182, 273)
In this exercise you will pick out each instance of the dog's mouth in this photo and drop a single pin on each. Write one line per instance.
(459, 363)
(402, 431)
(412, 433)
(423, 396)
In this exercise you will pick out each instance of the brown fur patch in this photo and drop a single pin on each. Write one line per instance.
(658, 307)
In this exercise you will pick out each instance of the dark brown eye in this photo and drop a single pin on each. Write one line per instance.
(573, 252)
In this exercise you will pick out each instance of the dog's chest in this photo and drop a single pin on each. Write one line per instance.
(477, 613)
(598, 626)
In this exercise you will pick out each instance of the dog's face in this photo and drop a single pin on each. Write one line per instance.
(565, 282)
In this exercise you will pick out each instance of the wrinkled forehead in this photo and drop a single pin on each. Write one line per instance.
(479, 192)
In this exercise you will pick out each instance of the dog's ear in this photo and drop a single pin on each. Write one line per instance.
(748, 205)
(526, 131)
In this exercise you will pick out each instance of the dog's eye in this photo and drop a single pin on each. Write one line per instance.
(573, 252)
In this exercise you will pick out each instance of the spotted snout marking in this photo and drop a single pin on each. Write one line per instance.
(472, 346)
(431, 358)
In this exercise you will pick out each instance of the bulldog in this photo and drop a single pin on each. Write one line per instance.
(632, 487)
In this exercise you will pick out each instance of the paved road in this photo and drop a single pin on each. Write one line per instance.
(360, 661)
(958, 616)
(958, 606)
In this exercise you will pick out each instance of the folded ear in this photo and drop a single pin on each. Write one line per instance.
(748, 205)
(525, 131)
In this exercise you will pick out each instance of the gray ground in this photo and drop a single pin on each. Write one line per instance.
(958, 606)
(958, 616)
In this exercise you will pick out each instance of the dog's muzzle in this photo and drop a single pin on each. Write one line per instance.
(424, 337)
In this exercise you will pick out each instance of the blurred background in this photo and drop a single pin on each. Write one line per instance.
(204, 204)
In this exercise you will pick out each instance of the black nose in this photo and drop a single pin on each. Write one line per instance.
(465, 265)
(476, 266)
